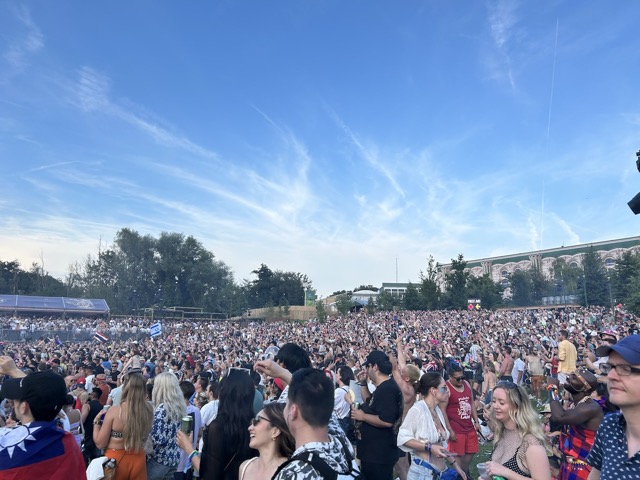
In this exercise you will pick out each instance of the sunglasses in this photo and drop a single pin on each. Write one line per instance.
(255, 421)
(578, 375)
(443, 389)
(457, 379)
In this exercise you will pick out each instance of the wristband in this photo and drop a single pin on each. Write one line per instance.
(195, 453)
(427, 447)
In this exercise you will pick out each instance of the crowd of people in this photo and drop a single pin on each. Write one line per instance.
(406, 393)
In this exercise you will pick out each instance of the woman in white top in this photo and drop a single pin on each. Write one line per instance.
(424, 433)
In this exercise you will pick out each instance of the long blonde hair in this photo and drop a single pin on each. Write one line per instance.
(166, 390)
(137, 417)
(521, 412)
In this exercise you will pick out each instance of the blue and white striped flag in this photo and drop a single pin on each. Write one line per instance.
(156, 329)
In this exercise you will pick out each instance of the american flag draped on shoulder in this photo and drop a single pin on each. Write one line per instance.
(39, 450)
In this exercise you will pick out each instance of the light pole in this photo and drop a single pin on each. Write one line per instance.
(305, 287)
(610, 294)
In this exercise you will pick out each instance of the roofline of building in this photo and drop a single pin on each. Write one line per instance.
(570, 250)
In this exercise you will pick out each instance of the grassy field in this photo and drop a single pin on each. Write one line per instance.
(483, 455)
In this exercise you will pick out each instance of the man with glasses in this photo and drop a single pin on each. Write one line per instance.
(616, 451)
(581, 421)
(461, 415)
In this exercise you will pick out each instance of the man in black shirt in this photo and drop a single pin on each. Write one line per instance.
(377, 448)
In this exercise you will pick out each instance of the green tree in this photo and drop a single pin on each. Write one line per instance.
(485, 289)
(12, 278)
(455, 295)
(521, 288)
(595, 278)
(284, 306)
(344, 304)
(565, 278)
(366, 287)
(321, 311)
(385, 300)
(412, 299)
(429, 289)
(627, 269)
(371, 306)
(540, 285)
(271, 286)
(632, 301)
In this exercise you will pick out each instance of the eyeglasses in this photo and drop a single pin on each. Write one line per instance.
(457, 379)
(255, 421)
(621, 369)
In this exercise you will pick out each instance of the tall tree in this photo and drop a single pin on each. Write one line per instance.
(565, 278)
(627, 268)
(455, 295)
(521, 288)
(270, 287)
(595, 278)
(412, 299)
(429, 289)
(485, 289)
(344, 304)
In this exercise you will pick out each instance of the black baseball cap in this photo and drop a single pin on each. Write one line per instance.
(377, 357)
(45, 392)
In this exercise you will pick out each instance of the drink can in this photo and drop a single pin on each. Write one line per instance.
(187, 424)
(356, 405)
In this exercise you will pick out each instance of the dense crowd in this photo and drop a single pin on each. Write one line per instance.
(458, 360)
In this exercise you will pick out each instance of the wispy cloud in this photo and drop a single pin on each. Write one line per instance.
(369, 154)
(21, 47)
(92, 93)
(502, 18)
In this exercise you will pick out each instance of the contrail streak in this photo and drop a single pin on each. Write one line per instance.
(546, 146)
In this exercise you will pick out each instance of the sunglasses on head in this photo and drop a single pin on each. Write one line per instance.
(238, 369)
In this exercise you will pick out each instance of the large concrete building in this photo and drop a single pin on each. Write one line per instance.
(499, 268)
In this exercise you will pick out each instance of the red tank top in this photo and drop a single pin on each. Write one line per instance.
(459, 409)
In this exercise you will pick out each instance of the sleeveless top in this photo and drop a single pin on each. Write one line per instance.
(459, 408)
(76, 429)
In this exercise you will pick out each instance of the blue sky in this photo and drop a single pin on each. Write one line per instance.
(323, 137)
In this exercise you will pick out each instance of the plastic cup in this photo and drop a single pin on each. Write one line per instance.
(482, 470)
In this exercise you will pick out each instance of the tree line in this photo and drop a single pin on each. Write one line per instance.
(139, 271)
(589, 284)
